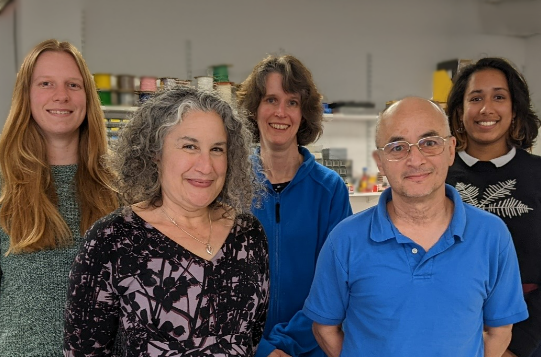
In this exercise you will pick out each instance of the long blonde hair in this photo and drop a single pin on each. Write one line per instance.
(28, 212)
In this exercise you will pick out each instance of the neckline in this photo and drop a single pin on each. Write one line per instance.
(219, 250)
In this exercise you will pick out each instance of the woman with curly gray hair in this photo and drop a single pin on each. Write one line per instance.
(184, 267)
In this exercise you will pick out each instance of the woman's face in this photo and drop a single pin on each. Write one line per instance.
(279, 114)
(488, 109)
(57, 95)
(193, 163)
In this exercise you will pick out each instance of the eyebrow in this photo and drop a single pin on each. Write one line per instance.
(194, 140)
(476, 91)
(49, 77)
(425, 135)
(293, 95)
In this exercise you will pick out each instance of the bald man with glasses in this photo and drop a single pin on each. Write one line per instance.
(421, 273)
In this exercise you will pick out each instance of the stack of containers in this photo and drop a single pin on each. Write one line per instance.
(221, 81)
(147, 87)
(126, 90)
(104, 86)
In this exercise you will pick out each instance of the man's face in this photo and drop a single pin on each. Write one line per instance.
(417, 175)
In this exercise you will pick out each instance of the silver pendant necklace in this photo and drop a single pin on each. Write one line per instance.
(207, 244)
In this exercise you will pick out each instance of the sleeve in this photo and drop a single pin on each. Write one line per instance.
(527, 334)
(294, 337)
(505, 303)
(92, 308)
(340, 207)
(263, 258)
(329, 296)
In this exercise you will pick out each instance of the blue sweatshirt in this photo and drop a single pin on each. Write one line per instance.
(297, 222)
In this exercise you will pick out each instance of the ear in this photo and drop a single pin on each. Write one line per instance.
(452, 150)
(377, 158)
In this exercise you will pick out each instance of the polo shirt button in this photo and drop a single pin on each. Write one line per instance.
(414, 250)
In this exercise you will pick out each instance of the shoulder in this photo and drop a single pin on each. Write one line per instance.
(354, 228)
(326, 178)
(248, 229)
(481, 223)
(245, 222)
(114, 224)
(532, 162)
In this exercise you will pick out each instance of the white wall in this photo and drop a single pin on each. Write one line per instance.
(25, 23)
(332, 38)
(533, 76)
(7, 59)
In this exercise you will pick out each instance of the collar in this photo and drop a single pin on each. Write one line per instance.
(308, 163)
(498, 162)
(383, 228)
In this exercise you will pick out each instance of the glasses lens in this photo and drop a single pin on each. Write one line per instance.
(432, 145)
(396, 150)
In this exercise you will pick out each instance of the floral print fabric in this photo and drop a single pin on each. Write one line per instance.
(165, 300)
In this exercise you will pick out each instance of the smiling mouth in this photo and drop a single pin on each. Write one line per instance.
(279, 126)
(486, 123)
(59, 111)
(417, 175)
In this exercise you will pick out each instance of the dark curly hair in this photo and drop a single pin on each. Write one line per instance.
(524, 132)
(141, 141)
(296, 79)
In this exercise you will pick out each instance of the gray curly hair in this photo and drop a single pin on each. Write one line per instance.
(141, 141)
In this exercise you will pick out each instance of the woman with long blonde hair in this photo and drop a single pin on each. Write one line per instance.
(53, 187)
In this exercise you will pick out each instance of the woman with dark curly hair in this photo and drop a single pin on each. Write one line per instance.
(304, 199)
(182, 270)
(491, 116)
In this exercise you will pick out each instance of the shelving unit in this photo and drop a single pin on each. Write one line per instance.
(361, 201)
(351, 117)
(352, 131)
(117, 111)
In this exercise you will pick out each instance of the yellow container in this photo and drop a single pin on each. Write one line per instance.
(442, 85)
(103, 80)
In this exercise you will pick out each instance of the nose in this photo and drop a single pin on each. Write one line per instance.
(280, 110)
(61, 94)
(487, 107)
(415, 155)
(204, 163)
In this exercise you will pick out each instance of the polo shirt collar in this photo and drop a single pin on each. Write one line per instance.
(383, 228)
(498, 162)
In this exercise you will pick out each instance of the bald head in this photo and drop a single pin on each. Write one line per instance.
(408, 109)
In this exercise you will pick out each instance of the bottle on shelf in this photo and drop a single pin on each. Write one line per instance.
(363, 182)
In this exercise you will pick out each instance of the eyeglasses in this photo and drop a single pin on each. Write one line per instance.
(399, 150)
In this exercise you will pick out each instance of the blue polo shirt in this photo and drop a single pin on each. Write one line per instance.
(394, 299)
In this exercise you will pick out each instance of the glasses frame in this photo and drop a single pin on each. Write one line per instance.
(414, 144)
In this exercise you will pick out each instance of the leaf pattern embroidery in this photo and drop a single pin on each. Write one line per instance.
(494, 198)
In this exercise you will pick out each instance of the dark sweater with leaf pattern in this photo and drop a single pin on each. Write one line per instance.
(513, 192)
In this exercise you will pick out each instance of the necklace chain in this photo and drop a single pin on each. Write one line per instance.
(207, 244)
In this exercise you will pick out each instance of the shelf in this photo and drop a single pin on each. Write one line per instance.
(350, 117)
(365, 194)
(361, 201)
(117, 111)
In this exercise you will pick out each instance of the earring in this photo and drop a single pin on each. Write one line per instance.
(460, 129)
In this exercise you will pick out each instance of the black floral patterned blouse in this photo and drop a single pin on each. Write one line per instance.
(165, 300)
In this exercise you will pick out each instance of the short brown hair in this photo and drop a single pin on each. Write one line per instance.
(296, 79)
